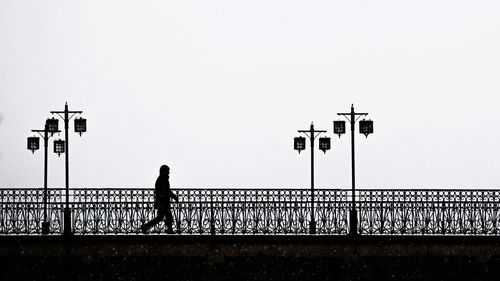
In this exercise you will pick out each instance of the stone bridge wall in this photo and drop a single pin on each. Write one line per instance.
(177, 257)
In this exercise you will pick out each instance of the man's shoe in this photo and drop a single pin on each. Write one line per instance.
(170, 231)
(144, 230)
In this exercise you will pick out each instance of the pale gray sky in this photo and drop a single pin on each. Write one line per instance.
(218, 89)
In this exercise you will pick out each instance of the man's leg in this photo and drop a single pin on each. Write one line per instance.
(155, 221)
(169, 221)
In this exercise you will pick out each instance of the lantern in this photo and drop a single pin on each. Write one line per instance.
(324, 144)
(59, 147)
(52, 125)
(33, 143)
(80, 125)
(366, 127)
(299, 143)
(339, 127)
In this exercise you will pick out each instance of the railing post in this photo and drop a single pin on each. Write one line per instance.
(178, 217)
(233, 219)
(353, 218)
(381, 231)
(221, 209)
(443, 218)
(200, 220)
(244, 212)
(495, 231)
(482, 212)
(403, 228)
(212, 221)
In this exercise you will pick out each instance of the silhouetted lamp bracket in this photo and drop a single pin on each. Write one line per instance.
(63, 147)
(50, 128)
(324, 144)
(52, 125)
(33, 143)
(339, 127)
(299, 143)
(80, 125)
(366, 127)
(59, 147)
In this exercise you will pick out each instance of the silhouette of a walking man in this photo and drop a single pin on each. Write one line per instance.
(162, 201)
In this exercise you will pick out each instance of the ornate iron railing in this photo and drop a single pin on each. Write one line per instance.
(256, 211)
(433, 212)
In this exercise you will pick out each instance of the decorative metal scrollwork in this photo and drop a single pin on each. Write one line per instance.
(256, 211)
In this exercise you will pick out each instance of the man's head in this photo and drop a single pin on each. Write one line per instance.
(164, 170)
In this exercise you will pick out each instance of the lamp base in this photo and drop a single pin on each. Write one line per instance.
(45, 227)
(67, 222)
(353, 225)
(312, 227)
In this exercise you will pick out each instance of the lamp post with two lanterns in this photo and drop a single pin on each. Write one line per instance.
(365, 128)
(51, 127)
(299, 144)
(80, 127)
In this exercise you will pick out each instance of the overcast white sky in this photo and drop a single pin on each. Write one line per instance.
(218, 89)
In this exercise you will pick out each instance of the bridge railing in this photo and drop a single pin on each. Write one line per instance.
(432, 212)
(256, 211)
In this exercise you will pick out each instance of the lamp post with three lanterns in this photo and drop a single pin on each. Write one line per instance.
(60, 147)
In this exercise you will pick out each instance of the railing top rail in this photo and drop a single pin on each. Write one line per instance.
(267, 188)
(183, 188)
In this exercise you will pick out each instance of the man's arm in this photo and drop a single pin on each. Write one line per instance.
(173, 195)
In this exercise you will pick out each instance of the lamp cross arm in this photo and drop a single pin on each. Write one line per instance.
(308, 131)
(73, 113)
(355, 116)
(41, 131)
(69, 111)
(314, 135)
(364, 114)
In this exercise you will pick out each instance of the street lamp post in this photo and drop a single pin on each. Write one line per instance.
(34, 144)
(366, 128)
(324, 145)
(80, 127)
